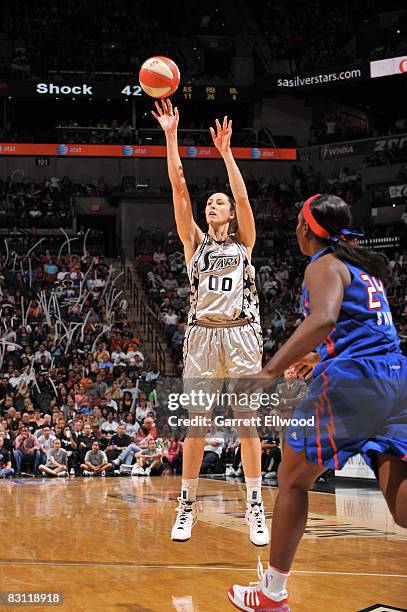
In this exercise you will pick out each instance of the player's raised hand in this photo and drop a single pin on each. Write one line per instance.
(221, 138)
(305, 366)
(167, 117)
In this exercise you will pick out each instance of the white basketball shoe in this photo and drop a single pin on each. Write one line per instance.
(255, 518)
(186, 518)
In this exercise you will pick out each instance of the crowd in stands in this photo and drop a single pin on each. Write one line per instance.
(53, 38)
(75, 387)
(311, 40)
(29, 205)
(78, 396)
(25, 204)
(338, 127)
(390, 41)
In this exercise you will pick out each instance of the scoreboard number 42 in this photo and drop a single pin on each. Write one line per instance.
(132, 90)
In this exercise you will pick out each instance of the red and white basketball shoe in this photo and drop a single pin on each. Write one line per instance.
(254, 599)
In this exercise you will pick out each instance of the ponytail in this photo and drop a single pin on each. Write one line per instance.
(330, 219)
(375, 264)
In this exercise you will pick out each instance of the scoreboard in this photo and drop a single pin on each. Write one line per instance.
(118, 90)
(215, 93)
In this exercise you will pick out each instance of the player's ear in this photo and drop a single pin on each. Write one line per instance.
(305, 229)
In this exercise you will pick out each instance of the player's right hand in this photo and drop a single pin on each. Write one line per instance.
(304, 367)
(167, 117)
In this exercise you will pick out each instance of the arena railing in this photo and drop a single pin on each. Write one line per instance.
(145, 318)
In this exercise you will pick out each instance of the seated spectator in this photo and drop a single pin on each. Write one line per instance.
(110, 426)
(270, 457)
(142, 410)
(171, 456)
(27, 449)
(132, 426)
(118, 443)
(127, 403)
(214, 443)
(46, 440)
(57, 461)
(95, 462)
(149, 461)
(5, 460)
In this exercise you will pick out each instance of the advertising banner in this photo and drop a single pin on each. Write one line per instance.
(398, 191)
(387, 67)
(339, 76)
(93, 150)
(368, 146)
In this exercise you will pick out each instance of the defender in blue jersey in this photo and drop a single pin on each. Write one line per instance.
(358, 395)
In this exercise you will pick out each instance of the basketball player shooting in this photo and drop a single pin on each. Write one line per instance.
(358, 395)
(223, 339)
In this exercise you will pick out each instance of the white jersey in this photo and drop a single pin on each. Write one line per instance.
(223, 290)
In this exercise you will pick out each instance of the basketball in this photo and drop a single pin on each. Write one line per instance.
(159, 77)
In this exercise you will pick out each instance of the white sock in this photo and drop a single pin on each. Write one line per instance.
(253, 487)
(188, 488)
(276, 583)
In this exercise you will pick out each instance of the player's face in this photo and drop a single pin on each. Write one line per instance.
(217, 210)
(301, 231)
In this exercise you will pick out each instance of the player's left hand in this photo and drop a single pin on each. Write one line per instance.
(221, 138)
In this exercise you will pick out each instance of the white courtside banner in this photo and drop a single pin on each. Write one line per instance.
(355, 467)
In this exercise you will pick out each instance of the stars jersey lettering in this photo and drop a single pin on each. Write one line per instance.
(223, 289)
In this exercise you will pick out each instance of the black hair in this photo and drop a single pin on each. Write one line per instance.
(233, 225)
(334, 215)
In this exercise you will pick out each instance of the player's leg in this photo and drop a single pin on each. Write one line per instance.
(200, 356)
(244, 350)
(192, 455)
(392, 476)
(251, 460)
(289, 520)
(296, 476)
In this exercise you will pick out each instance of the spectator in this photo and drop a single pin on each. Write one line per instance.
(5, 460)
(149, 461)
(57, 461)
(95, 463)
(27, 449)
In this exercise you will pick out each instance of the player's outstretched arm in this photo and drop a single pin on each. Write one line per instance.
(188, 231)
(244, 213)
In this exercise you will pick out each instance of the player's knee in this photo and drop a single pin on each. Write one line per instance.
(196, 433)
(293, 483)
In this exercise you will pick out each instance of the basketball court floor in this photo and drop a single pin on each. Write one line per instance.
(104, 545)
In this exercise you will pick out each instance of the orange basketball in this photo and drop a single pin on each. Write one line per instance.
(159, 77)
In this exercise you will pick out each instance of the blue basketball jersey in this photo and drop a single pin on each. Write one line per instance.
(365, 326)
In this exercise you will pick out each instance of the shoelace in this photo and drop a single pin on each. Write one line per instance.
(185, 515)
(258, 586)
(258, 516)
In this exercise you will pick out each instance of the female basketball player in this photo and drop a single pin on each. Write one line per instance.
(358, 393)
(223, 339)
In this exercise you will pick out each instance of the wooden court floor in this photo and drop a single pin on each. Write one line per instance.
(104, 543)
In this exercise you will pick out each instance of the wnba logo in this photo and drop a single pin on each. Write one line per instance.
(192, 151)
(255, 153)
(62, 149)
(127, 150)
